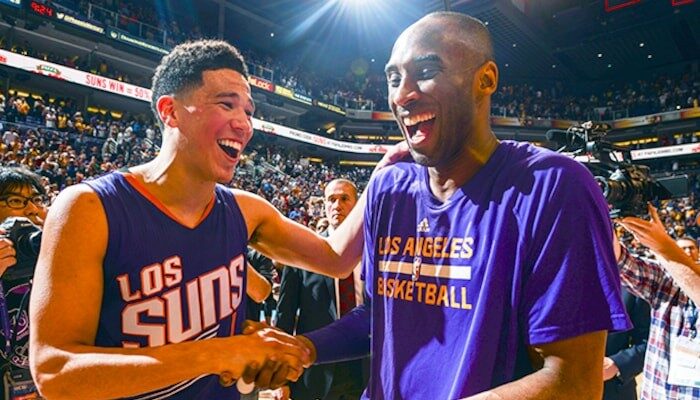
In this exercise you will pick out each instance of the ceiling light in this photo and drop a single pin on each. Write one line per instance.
(600, 55)
(641, 44)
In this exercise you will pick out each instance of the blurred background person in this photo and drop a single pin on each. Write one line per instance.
(21, 196)
(309, 301)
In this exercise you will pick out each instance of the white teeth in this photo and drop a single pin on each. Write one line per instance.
(417, 119)
(230, 143)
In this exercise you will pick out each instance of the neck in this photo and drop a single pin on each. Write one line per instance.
(173, 182)
(447, 177)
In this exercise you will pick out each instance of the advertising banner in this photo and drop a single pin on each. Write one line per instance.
(261, 83)
(668, 151)
(136, 41)
(330, 107)
(301, 136)
(12, 3)
(68, 74)
(80, 22)
(283, 91)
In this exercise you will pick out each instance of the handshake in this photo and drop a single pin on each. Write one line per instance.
(272, 358)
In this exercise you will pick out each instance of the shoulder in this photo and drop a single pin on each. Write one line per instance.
(249, 203)
(539, 171)
(77, 212)
(529, 158)
(75, 198)
(396, 178)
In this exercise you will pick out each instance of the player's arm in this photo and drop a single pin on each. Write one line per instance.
(65, 310)
(258, 288)
(290, 243)
(564, 371)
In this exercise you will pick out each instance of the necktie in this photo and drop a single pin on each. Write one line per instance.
(346, 294)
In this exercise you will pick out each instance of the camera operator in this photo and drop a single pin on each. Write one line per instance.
(23, 196)
(671, 285)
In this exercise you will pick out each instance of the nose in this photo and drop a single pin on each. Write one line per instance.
(335, 204)
(406, 93)
(240, 121)
(31, 210)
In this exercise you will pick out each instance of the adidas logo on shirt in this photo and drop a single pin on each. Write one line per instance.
(423, 226)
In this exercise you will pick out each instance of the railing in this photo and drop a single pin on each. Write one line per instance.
(131, 25)
(260, 71)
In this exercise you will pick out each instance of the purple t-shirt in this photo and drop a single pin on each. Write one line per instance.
(520, 255)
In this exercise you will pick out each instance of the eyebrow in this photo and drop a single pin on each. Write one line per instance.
(236, 96)
(426, 58)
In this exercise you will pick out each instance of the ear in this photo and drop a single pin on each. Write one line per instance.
(487, 78)
(166, 110)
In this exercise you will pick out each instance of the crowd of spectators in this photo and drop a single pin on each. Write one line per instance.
(66, 157)
(89, 63)
(618, 100)
(66, 145)
(679, 216)
(366, 90)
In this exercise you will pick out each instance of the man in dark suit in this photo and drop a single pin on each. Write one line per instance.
(624, 352)
(320, 300)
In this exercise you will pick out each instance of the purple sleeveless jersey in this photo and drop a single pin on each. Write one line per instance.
(520, 255)
(166, 283)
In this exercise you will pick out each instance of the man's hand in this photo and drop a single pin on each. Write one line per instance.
(7, 254)
(275, 371)
(395, 154)
(652, 233)
(610, 369)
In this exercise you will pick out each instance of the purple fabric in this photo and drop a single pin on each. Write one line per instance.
(345, 339)
(520, 255)
(183, 284)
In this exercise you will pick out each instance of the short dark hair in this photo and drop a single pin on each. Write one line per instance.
(182, 68)
(688, 238)
(16, 178)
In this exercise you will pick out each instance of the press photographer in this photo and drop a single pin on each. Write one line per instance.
(23, 205)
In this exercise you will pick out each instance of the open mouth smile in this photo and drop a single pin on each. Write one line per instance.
(232, 148)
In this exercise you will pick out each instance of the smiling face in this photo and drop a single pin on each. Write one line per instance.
(215, 120)
(430, 76)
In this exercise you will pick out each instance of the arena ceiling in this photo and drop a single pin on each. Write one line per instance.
(554, 39)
